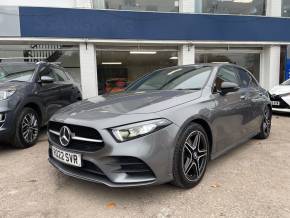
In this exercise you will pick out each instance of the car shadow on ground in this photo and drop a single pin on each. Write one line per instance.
(281, 114)
(84, 188)
(146, 192)
(6, 147)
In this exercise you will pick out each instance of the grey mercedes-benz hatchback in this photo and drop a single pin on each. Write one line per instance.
(165, 127)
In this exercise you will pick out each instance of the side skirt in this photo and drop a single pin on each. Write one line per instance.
(218, 154)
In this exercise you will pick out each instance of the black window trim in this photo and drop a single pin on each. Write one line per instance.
(218, 69)
(248, 73)
(252, 78)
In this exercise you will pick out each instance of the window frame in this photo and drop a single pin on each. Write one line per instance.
(213, 88)
(263, 14)
(248, 74)
(45, 67)
(66, 79)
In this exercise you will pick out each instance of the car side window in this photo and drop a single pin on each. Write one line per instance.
(253, 82)
(59, 75)
(244, 78)
(225, 74)
(47, 71)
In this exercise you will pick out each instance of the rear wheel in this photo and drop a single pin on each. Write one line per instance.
(27, 129)
(190, 157)
(266, 124)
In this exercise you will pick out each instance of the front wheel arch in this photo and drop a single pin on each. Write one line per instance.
(37, 109)
(205, 124)
(179, 176)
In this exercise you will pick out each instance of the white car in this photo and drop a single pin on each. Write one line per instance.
(280, 97)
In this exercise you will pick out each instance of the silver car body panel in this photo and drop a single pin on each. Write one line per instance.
(231, 120)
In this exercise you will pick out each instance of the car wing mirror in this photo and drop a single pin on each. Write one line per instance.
(227, 87)
(46, 79)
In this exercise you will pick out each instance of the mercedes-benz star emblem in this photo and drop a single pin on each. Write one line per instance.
(64, 136)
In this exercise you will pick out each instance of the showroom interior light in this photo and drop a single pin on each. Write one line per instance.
(143, 52)
(173, 58)
(111, 63)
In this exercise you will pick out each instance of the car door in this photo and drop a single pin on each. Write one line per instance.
(67, 88)
(49, 93)
(247, 97)
(257, 101)
(230, 112)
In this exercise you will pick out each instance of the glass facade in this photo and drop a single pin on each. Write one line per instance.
(240, 7)
(285, 8)
(251, 61)
(117, 68)
(138, 5)
(66, 55)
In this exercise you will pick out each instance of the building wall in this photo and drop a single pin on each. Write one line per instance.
(179, 29)
(40, 3)
(109, 24)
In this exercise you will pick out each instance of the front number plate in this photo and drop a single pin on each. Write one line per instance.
(67, 157)
(275, 103)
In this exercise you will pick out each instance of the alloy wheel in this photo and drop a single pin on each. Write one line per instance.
(194, 155)
(267, 121)
(29, 127)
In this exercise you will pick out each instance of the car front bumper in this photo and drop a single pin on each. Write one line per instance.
(143, 161)
(284, 110)
(284, 103)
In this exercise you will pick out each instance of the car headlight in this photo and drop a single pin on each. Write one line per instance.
(4, 94)
(136, 130)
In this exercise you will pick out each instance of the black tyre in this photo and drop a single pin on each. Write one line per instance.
(266, 124)
(190, 157)
(27, 129)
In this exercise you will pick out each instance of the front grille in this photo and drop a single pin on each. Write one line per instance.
(132, 166)
(283, 104)
(80, 131)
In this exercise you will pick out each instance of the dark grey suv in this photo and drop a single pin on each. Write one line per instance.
(30, 93)
(163, 128)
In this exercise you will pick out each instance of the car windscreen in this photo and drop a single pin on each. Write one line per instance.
(183, 78)
(16, 72)
(286, 83)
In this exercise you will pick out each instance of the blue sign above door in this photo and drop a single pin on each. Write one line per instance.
(287, 68)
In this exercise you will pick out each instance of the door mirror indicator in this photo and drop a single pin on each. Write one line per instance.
(227, 87)
(46, 79)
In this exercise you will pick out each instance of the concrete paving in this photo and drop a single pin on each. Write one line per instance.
(252, 180)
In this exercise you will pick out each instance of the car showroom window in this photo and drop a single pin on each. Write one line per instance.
(244, 77)
(59, 74)
(242, 7)
(225, 74)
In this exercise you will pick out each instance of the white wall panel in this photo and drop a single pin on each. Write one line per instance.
(88, 65)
